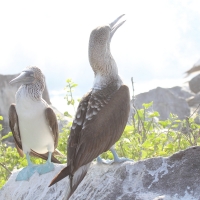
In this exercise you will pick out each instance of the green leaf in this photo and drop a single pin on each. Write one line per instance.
(67, 114)
(154, 114)
(147, 105)
(7, 136)
(74, 85)
(69, 80)
(164, 123)
(147, 144)
(1, 118)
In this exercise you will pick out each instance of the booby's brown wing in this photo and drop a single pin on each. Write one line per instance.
(103, 124)
(72, 145)
(14, 126)
(53, 124)
(76, 128)
(98, 124)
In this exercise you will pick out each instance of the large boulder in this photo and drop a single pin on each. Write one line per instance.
(166, 101)
(173, 178)
(7, 96)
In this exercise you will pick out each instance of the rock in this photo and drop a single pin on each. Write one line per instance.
(194, 84)
(173, 178)
(181, 92)
(36, 188)
(193, 101)
(165, 101)
(7, 96)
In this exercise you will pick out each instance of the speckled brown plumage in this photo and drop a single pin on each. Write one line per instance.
(102, 114)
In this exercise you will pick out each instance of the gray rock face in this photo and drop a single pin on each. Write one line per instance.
(194, 84)
(7, 96)
(181, 92)
(166, 101)
(174, 178)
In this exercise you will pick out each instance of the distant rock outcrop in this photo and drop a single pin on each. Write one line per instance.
(7, 96)
(173, 178)
(166, 101)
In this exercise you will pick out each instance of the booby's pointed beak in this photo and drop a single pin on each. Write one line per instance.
(115, 26)
(26, 77)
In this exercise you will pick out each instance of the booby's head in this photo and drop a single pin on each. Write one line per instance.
(31, 76)
(28, 76)
(99, 45)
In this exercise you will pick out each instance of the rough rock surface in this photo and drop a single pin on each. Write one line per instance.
(36, 188)
(166, 101)
(174, 178)
(7, 96)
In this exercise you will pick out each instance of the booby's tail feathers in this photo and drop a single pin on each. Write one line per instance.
(76, 179)
(63, 173)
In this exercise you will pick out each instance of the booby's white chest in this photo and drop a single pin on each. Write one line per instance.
(34, 129)
(102, 81)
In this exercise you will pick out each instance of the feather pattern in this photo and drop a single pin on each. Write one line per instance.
(102, 129)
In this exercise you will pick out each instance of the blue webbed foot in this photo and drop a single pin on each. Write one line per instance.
(45, 168)
(117, 159)
(120, 160)
(103, 161)
(26, 173)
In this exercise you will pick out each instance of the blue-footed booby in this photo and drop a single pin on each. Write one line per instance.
(33, 123)
(102, 114)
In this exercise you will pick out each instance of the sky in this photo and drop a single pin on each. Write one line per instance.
(159, 41)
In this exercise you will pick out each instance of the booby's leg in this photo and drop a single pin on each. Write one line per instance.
(46, 167)
(116, 158)
(26, 172)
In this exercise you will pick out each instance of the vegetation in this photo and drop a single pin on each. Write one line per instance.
(145, 137)
(148, 137)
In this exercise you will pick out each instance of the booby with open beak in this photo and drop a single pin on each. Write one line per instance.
(102, 114)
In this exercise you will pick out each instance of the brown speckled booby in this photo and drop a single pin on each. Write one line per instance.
(102, 114)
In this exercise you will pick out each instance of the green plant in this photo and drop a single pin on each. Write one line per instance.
(149, 137)
(69, 96)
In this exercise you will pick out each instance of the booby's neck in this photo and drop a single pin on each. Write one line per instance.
(32, 91)
(104, 67)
